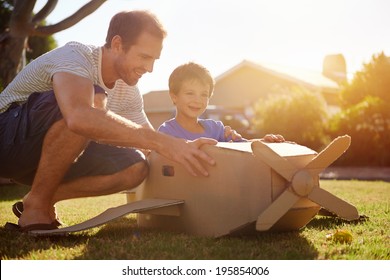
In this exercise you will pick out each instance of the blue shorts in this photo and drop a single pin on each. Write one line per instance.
(22, 131)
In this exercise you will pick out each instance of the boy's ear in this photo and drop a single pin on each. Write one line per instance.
(173, 97)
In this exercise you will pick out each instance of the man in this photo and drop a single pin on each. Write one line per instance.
(57, 135)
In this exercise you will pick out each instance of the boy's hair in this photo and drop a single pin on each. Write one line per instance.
(129, 25)
(190, 71)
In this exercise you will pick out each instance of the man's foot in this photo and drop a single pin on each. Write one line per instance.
(18, 208)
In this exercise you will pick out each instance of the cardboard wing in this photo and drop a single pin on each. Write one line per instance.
(113, 213)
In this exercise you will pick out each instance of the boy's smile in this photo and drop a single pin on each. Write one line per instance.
(191, 100)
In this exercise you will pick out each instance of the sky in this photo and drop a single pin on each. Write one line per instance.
(220, 34)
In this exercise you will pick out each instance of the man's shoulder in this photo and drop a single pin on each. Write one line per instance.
(72, 53)
(81, 46)
(77, 52)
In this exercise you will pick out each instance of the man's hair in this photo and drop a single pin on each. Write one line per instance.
(129, 25)
(190, 71)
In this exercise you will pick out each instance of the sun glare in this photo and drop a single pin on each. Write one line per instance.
(222, 33)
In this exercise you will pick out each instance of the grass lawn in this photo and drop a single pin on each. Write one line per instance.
(122, 239)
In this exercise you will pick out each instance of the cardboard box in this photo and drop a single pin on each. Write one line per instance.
(239, 188)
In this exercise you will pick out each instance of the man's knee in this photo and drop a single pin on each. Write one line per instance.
(139, 169)
(143, 169)
(135, 174)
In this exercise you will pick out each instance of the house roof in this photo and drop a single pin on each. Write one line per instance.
(308, 78)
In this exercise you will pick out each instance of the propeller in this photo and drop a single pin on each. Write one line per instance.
(303, 182)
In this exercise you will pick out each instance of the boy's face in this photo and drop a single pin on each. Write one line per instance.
(192, 99)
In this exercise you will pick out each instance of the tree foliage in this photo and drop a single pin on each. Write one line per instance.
(297, 114)
(22, 23)
(372, 80)
(36, 45)
(365, 115)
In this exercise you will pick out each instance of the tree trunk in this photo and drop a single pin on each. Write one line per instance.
(23, 24)
(11, 58)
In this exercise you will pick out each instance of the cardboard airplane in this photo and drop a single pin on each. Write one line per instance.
(253, 186)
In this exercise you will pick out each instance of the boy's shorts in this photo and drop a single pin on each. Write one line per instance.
(22, 131)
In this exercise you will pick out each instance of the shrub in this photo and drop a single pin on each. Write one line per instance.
(365, 114)
(368, 123)
(297, 114)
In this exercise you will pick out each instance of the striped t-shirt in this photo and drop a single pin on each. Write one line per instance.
(81, 60)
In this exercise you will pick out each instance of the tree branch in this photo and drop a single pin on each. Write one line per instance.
(19, 24)
(84, 11)
(45, 11)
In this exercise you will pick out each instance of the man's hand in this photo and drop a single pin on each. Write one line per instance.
(234, 135)
(189, 154)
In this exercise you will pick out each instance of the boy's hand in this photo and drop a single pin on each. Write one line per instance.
(272, 138)
(234, 135)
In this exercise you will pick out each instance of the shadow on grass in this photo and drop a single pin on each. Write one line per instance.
(122, 239)
(16, 245)
(326, 222)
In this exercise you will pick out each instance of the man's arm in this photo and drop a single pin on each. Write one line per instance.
(75, 97)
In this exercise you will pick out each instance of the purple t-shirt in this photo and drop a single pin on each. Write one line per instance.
(212, 129)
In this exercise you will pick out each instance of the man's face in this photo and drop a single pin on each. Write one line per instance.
(139, 58)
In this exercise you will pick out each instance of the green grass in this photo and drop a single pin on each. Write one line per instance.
(122, 239)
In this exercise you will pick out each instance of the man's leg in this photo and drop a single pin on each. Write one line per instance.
(60, 148)
(126, 179)
(99, 170)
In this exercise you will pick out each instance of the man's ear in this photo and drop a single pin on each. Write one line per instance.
(116, 43)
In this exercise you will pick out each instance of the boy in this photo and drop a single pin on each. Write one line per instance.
(190, 88)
